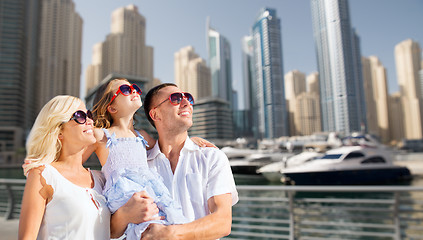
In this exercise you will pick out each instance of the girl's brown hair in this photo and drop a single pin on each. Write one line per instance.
(102, 117)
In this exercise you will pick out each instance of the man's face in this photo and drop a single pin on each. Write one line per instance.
(172, 116)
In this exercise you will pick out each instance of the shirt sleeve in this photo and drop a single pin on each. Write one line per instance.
(220, 178)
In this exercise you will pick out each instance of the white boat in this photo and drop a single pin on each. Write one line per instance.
(272, 171)
(249, 164)
(348, 165)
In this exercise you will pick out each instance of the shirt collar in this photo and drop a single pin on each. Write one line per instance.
(189, 145)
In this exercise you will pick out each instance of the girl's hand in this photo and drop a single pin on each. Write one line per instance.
(202, 142)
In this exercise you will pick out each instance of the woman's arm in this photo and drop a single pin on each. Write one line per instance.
(36, 195)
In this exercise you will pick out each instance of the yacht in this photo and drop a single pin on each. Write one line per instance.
(348, 165)
(272, 171)
(250, 163)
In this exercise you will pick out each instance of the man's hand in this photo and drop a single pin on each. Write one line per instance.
(158, 231)
(139, 208)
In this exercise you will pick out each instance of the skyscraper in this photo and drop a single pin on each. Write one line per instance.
(40, 46)
(220, 63)
(313, 83)
(376, 95)
(408, 60)
(307, 114)
(124, 51)
(19, 20)
(246, 121)
(191, 73)
(247, 91)
(338, 56)
(268, 75)
(295, 84)
(59, 50)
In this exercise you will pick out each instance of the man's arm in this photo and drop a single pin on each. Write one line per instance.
(213, 226)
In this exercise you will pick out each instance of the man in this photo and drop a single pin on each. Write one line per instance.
(200, 179)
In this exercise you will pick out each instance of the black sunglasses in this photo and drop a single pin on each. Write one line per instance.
(81, 117)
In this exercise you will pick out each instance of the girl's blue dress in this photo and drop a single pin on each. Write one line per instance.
(127, 172)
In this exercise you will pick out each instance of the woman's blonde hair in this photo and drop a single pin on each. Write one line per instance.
(43, 145)
(102, 117)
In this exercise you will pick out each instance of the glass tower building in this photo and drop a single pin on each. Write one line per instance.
(268, 75)
(338, 56)
(19, 21)
(220, 63)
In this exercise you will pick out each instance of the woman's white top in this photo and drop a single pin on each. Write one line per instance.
(74, 212)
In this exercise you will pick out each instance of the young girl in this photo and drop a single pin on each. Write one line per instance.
(122, 153)
(62, 199)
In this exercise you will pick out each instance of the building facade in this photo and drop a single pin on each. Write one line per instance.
(268, 75)
(376, 95)
(60, 47)
(338, 56)
(18, 69)
(246, 121)
(408, 61)
(192, 74)
(295, 84)
(307, 114)
(396, 118)
(40, 46)
(212, 119)
(124, 51)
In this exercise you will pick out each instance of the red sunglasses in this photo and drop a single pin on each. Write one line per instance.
(176, 98)
(126, 90)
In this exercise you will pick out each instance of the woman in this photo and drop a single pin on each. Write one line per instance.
(62, 199)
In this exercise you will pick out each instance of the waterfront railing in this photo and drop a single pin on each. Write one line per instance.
(11, 191)
(328, 212)
(303, 212)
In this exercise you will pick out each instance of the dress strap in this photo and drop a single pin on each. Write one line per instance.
(141, 138)
(111, 138)
(106, 132)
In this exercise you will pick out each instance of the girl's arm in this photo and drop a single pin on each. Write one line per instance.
(36, 195)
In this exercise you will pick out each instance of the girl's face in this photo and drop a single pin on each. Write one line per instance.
(78, 134)
(121, 102)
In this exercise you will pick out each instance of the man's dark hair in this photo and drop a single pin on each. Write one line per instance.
(149, 99)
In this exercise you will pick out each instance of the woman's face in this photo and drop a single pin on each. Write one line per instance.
(78, 134)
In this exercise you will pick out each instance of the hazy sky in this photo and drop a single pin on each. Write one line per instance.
(173, 24)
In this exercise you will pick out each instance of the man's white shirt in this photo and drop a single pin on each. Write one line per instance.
(200, 174)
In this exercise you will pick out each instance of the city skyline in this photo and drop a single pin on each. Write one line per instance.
(170, 30)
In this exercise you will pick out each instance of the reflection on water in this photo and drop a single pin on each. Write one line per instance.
(241, 179)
